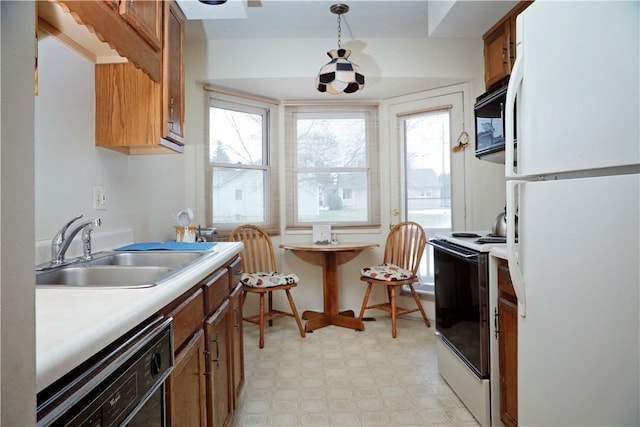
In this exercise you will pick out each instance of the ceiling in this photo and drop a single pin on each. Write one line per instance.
(246, 19)
(366, 19)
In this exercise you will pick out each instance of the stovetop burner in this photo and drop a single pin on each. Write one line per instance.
(481, 241)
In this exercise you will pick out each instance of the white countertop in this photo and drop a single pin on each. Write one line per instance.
(73, 324)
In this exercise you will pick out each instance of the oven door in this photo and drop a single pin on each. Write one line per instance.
(462, 310)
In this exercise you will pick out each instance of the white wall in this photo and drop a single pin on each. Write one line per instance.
(17, 295)
(142, 191)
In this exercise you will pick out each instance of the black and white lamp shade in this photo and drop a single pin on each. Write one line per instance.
(339, 75)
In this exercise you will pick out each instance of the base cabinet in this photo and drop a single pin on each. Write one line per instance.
(204, 387)
(507, 346)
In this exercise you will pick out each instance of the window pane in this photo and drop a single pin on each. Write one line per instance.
(238, 195)
(428, 180)
(428, 177)
(333, 197)
(324, 143)
(236, 137)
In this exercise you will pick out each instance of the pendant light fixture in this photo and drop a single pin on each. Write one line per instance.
(213, 2)
(339, 75)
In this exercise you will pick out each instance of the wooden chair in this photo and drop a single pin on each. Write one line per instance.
(402, 253)
(260, 276)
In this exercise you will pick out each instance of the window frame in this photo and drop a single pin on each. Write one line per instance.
(371, 168)
(253, 105)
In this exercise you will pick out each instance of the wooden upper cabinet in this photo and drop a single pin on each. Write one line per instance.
(136, 115)
(133, 29)
(497, 64)
(500, 46)
(173, 74)
(146, 18)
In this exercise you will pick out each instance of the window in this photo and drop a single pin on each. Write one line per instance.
(332, 165)
(240, 185)
(427, 166)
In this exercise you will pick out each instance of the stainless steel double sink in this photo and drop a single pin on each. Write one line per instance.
(127, 269)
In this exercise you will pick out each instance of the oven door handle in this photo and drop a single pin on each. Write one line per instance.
(450, 250)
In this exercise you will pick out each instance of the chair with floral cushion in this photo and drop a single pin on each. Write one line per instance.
(261, 277)
(402, 253)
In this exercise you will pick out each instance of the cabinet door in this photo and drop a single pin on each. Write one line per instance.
(507, 346)
(496, 54)
(508, 353)
(145, 17)
(173, 79)
(237, 347)
(186, 386)
(217, 343)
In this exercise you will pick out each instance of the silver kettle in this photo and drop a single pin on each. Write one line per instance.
(499, 227)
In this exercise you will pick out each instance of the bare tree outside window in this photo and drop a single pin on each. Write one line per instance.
(331, 163)
(238, 186)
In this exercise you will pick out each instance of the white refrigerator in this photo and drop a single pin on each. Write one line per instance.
(575, 186)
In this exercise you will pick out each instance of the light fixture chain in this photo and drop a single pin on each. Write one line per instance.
(339, 31)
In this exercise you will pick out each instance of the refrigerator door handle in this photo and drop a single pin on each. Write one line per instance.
(515, 82)
(515, 271)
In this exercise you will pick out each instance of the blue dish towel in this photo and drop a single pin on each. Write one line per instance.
(169, 245)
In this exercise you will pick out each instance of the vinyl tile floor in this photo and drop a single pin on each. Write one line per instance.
(340, 377)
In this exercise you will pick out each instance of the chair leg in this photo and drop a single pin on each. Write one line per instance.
(392, 301)
(270, 308)
(261, 323)
(295, 313)
(365, 300)
(417, 300)
(243, 297)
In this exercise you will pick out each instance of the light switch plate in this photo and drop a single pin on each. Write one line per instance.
(99, 198)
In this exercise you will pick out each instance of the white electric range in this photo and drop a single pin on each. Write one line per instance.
(461, 262)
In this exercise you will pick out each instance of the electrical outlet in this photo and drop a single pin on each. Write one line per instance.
(99, 198)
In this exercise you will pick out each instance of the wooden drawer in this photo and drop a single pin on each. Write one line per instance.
(505, 287)
(187, 318)
(216, 290)
(235, 271)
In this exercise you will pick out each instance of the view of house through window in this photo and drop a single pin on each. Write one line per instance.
(331, 164)
(239, 167)
(427, 168)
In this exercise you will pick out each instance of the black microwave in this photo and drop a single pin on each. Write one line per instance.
(489, 114)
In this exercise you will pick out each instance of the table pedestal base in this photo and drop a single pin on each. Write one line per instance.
(316, 320)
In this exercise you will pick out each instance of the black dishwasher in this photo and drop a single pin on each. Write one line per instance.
(123, 385)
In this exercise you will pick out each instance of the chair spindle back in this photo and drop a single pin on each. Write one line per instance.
(257, 255)
(405, 245)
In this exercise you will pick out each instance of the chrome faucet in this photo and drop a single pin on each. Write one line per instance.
(61, 241)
